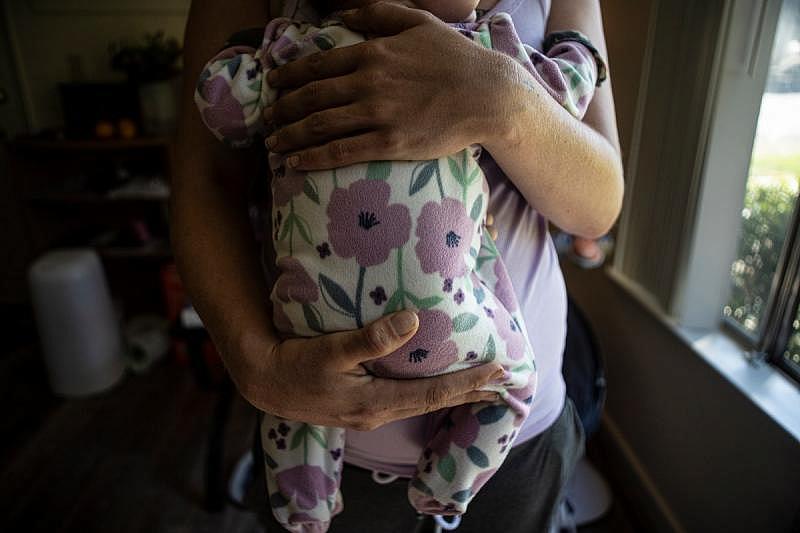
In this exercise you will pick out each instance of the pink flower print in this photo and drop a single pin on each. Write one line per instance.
(520, 400)
(445, 232)
(363, 224)
(465, 426)
(481, 479)
(428, 352)
(286, 184)
(307, 483)
(294, 284)
(503, 290)
(509, 331)
(224, 113)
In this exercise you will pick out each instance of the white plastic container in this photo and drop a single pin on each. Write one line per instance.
(78, 328)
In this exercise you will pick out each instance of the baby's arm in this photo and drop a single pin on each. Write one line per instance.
(233, 91)
(569, 67)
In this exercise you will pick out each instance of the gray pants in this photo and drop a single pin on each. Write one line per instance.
(522, 497)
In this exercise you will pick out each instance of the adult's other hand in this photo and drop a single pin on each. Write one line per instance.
(320, 380)
(418, 90)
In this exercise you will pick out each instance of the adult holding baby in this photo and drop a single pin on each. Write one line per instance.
(364, 103)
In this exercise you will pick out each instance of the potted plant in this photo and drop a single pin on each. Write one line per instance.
(153, 65)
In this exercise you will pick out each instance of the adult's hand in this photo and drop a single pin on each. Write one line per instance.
(418, 91)
(320, 380)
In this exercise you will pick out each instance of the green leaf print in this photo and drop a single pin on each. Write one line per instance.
(473, 175)
(522, 367)
(477, 457)
(233, 65)
(379, 170)
(455, 170)
(418, 484)
(269, 461)
(317, 435)
(475, 212)
(421, 175)
(424, 303)
(482, 259)
(491, 414)
(305, 229)
(332, 291)
(255, 86)
(462, 495)
(310, 190)
(287, 226)
(489, 351)
(313, 318)
(464, 322)
(395, 303)
(298, 437)
(324, 42)
(447, 467)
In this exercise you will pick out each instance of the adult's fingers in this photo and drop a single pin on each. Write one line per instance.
(373, 145)
(326, 64)
(430, 394)
(385, 18)
(379, 338)
(319, 127)
(380, 416)
(314, 96)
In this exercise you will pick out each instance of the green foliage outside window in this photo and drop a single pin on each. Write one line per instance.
(770, 198)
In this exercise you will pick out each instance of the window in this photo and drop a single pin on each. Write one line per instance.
(764, 302)
(710, 229)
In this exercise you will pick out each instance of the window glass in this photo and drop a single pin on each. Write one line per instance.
(772, 184)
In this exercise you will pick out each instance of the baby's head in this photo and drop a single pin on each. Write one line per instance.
(447, 10)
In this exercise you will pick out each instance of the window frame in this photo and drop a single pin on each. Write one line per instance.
(685, 189)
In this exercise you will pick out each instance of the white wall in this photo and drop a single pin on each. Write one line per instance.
(46, 34)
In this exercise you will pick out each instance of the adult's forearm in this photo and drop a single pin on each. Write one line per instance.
(564, 168)
(216, 254)
(213, 243)
(569, 171)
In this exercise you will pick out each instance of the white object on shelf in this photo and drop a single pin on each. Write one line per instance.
(77, 325)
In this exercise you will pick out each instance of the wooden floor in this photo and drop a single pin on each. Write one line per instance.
(130, 460)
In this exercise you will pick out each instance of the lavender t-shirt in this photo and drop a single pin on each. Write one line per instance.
(529, 255)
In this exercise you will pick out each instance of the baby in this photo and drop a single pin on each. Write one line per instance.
(358, 242)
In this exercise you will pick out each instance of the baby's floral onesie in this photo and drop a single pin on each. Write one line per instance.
(362, 241)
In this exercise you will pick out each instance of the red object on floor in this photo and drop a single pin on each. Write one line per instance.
(175, 300)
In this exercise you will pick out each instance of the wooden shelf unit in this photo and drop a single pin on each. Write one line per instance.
(62, 188)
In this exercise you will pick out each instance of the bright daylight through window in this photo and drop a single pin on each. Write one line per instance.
(772, 189)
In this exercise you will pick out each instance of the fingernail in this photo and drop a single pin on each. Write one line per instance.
(292, 161)
(347, 12)
(403, 322)
(272, 141)
(498, 377)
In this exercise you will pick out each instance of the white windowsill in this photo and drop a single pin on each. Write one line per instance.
(766, 386)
